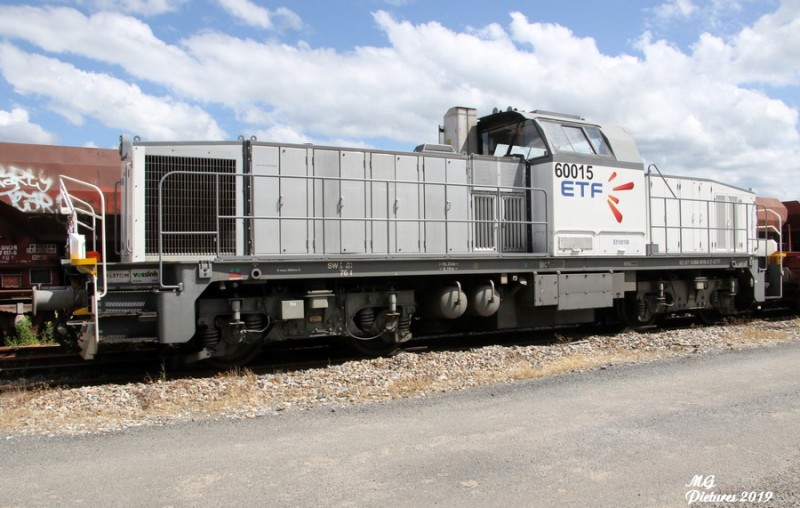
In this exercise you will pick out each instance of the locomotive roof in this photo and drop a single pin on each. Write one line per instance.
(620, 139)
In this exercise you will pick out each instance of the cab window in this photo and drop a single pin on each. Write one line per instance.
(518, 138)
(571, 138)
(598, 141)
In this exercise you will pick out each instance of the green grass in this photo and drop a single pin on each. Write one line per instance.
(24, 335)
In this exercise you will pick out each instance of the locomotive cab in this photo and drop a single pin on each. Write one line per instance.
(587, 181)
(535, 134)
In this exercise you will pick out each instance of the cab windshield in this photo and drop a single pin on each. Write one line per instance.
(517, 138)
(584, 139)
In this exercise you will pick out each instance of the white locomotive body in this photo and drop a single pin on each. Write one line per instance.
(516, 220)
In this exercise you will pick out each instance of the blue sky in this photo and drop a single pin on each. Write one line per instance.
(709, 88)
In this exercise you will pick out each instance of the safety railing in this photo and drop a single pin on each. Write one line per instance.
(87, 263)
(723, 226)
(770, 263)
(84, 218)
(375, 205)
(766, 230)
(722, 230)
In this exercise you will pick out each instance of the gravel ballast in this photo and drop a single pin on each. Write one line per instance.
(113, 408)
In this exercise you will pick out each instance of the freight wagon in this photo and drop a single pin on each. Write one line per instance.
(32, 230)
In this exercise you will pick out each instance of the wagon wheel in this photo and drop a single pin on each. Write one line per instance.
(65, 335)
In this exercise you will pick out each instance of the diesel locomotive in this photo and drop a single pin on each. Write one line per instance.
(516, 220)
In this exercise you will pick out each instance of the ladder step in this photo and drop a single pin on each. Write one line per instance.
(87, 340)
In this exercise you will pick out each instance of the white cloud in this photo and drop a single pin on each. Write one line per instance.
(691, 112)
(674, 10)
(719, 16)
(769, 51)
(122, 40)
(261, 17)
(143, 7)
(16, 127)
(106, 37)
(76, 94)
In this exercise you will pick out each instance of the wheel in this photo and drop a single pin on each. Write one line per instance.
(629, 312)
(374, 327)
(65, 335)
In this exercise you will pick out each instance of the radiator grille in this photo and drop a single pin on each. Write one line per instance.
(484, 208)
(191, 205)
(728, 233)
(514, 227)
(512, 223)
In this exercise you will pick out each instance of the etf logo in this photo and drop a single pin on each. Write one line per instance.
(613, 200)
(589, 189)
(573, 188)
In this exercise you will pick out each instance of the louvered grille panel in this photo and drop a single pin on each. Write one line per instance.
(484, 208)
(191, 205)
(515, 237)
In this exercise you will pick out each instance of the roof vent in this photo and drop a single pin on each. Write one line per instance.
(558, 115)
(434, 148)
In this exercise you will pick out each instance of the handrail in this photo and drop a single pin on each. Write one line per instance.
(651, 166)
(373, 187)
(70, 201)
(87, 209)
(770, 228)
(705, 225)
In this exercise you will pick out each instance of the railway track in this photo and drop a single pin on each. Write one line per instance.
(20, 358)
(50, 366)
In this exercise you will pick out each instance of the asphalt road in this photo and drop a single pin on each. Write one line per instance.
(625, 436)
